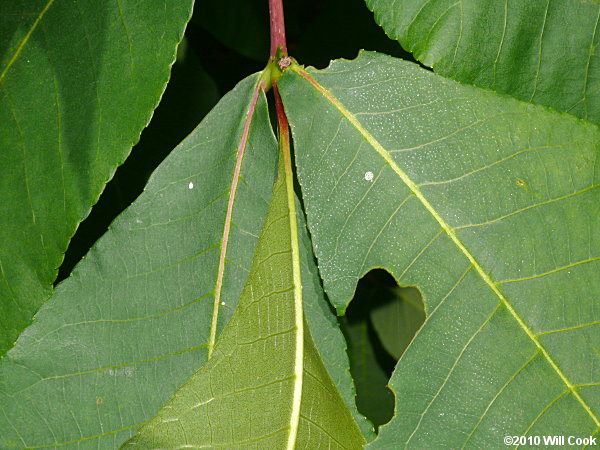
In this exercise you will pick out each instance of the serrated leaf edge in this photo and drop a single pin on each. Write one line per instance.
(447, 229)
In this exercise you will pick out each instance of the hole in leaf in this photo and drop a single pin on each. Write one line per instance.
(379, 324)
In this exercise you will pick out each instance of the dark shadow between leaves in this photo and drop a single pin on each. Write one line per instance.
(348, 26)
(379, 325)
(190, 94)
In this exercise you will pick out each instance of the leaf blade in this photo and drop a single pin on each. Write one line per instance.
(542, 52)
(366, 200)
(151, 276)
(67, 75)
(264, 355)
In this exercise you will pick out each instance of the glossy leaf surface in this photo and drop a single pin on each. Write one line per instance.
(538, 51)
(265, 385)
(496, 202)
(78, 83)
(134, 320)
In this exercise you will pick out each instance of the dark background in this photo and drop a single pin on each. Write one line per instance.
(225, 41)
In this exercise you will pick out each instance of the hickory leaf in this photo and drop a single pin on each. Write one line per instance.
(108, 349)
(206, 315)
(496, 202)
(152, 276)
(78, 83)
(265, 385)
(538, 51)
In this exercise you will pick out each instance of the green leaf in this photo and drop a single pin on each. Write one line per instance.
(190, 95)
(538, 51)
(78, 83)
(374, 399)
(135, 318)
(496, 202)
(265, 385)
(328, 339)
(398, 319)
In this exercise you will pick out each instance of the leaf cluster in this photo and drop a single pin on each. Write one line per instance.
(400, 249)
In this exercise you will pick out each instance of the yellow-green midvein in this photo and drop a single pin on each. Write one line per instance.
(25, 39)
(284, 146)
(447, 229)
(298, 307)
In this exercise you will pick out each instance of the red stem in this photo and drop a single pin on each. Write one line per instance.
(277, 27)
(282, 120)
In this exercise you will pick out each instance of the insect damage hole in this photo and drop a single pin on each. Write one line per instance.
(380, 322)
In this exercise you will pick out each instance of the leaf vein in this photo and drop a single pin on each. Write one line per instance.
(527, 208)
(450, 231)
(550, 272)
(451, 371)
(575, 327)
(228, 218)
(25, 39)
(502, 389)
(543, 411)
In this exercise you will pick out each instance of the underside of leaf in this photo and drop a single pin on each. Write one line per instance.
(255, 391)
(494, 200)
(133, 321)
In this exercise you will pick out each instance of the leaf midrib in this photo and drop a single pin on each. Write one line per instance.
(285, 154)
(25, 39)
(447, 229)
(229, 215)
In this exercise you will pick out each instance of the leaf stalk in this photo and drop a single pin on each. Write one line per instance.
(277, 27)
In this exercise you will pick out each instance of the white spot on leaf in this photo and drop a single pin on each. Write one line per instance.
(369, 176)
(191, 185)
